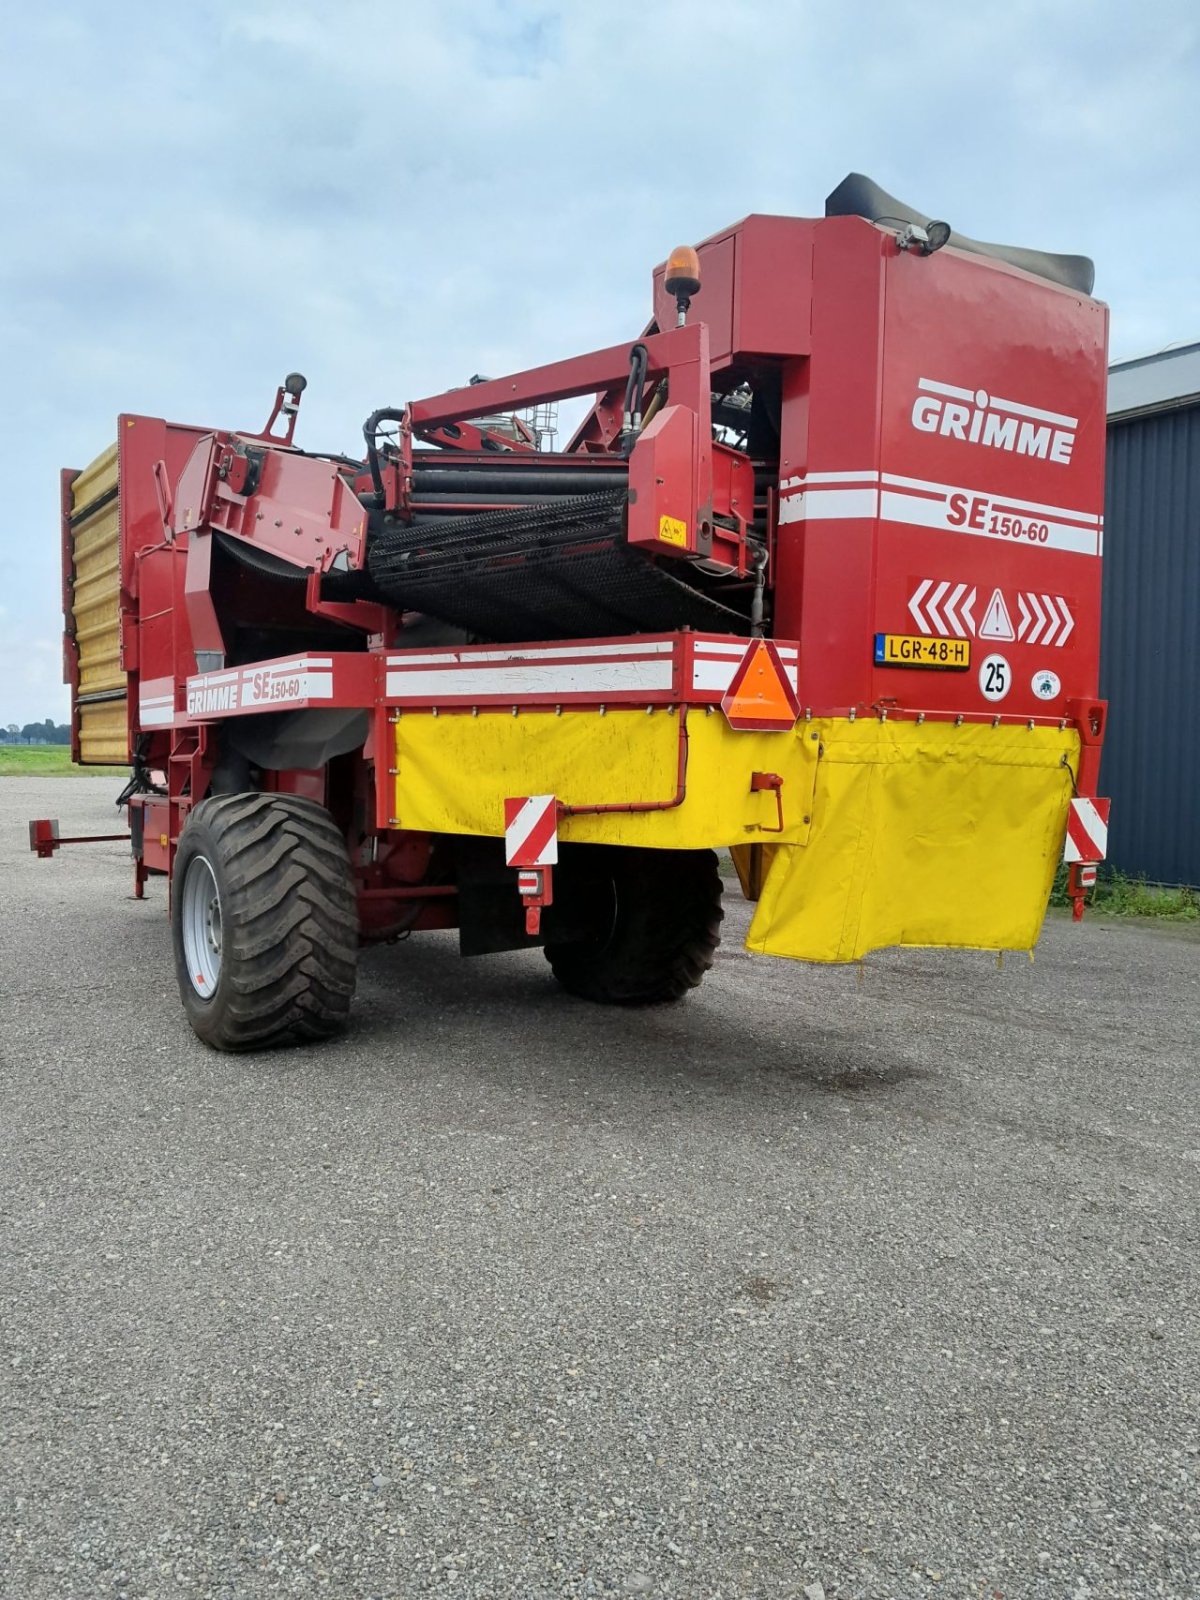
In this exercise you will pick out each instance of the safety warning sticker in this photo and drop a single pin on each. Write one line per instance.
(997, 624)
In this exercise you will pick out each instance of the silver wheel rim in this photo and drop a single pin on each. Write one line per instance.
(200, 922)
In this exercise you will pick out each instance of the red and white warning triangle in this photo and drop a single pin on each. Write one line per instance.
(997, 624)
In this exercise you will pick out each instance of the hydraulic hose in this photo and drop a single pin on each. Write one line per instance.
(370, 432)
(631, 422)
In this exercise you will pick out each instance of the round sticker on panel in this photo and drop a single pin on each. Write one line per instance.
(995, 677)
(1046, 685)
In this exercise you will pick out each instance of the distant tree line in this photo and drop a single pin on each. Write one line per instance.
(48, 732)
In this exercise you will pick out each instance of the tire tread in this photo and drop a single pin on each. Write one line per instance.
(289, 921)
(666, 933)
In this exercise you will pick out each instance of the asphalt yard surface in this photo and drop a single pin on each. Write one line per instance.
(880, 1285)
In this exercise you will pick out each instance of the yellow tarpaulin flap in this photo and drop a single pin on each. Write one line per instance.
(921, 835)
(894, 834)
(453, 774)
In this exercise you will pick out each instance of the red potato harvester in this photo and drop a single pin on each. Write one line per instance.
(817, 580)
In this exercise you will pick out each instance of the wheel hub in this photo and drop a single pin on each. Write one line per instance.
(201, 927)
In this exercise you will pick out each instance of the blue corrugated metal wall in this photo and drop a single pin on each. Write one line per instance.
(1150, 645)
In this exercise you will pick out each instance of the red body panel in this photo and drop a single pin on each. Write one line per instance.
(1027, 525)
(155, 639)
(891, 485)
(757, 290)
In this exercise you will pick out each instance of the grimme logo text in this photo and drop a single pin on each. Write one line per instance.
(976, 417)
(202, 701)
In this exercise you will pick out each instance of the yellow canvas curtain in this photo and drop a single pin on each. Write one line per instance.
(895, 834)
(921, 835)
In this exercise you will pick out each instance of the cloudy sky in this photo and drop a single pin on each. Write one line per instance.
(391, 195)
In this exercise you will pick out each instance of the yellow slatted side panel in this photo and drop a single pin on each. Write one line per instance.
(95, 606)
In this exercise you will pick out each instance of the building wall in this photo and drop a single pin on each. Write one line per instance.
(1150, 645)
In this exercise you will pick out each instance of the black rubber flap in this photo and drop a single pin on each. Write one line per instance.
(857, 196)
(557, 571)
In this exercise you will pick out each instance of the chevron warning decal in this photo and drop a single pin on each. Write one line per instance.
(1044, 619)
(943, 608)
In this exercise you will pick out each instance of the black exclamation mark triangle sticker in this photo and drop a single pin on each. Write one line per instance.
(997, 624)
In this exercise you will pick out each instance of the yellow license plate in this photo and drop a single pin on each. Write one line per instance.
(910, 650)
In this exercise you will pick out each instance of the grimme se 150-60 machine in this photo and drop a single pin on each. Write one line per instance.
(817, 580)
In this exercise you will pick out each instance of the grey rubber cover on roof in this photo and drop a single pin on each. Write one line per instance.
(857, 196)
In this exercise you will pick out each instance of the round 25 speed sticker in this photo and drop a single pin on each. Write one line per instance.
(995, 677)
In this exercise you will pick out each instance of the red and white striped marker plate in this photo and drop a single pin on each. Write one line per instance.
(531, 830)
(1087, 831)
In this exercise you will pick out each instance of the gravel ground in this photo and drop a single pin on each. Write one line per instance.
(879, 1285)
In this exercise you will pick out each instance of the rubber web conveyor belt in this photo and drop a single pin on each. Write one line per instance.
(561, 570)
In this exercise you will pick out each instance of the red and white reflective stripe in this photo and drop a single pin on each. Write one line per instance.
(664, 670)
(920, 502)
(294, 682)
(156, 703)
(531, 830)
(1087, 830)
(714, 662)
(563, 672)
